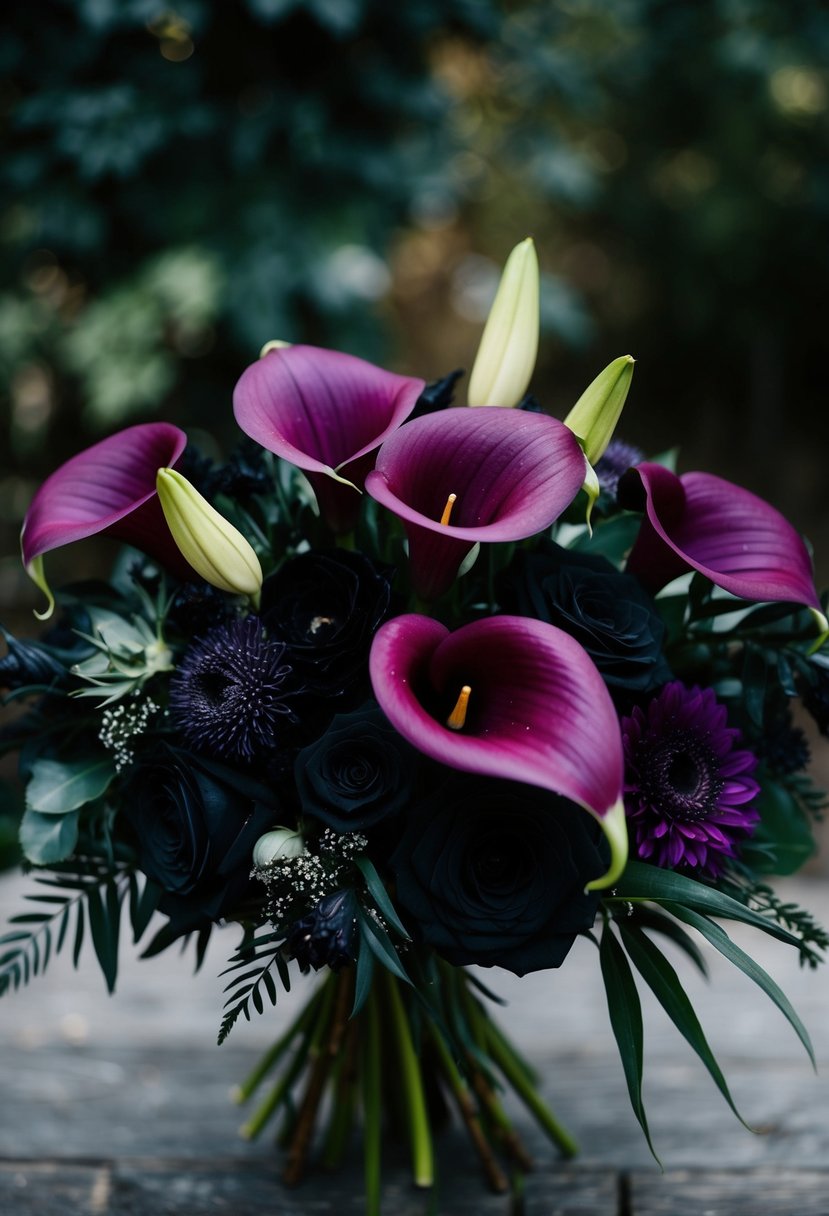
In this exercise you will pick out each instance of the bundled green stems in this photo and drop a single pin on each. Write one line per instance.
(404, 1063)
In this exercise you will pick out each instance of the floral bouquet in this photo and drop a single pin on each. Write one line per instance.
(406, 686)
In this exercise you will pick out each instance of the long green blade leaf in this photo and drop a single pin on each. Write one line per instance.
(718, 938)
(663, 981)
(626, 1020)
(641, 881)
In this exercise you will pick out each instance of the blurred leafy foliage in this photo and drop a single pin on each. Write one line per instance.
(181, 184)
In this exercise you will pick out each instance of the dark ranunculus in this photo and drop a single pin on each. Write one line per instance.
(493, 873)
(610, 614)
(195, 826)
(325, 607)
(358, 773)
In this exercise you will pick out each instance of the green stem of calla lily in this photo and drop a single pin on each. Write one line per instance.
(423, 1163)
(272, 1057)
(371, 1086)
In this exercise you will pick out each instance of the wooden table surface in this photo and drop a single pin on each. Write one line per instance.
(121, 1105)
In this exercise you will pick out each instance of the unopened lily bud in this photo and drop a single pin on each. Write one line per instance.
(594, 416)
(506, 357)
(277, 845)
(213, 547)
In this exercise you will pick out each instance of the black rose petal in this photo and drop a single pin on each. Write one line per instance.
(326, 606)
(195, 827)
(358, 773)
(493, 873)
(609, 613)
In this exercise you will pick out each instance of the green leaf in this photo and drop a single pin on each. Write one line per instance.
(626, 1020)
(104, 925)
(783, 839)
(380, 945)
(663, 981)
(643, 881)
(143, 904)
(380, 896)
(718, 938)
(653, 918)
(363, 977)
(57, 787)
(46, 839)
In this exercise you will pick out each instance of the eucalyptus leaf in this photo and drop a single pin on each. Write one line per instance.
(46, 839)
(58, 786)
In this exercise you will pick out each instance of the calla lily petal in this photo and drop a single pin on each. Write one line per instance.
(109, 487)
(326, 413)
(702, 522)
(513, 473)
(536, 709)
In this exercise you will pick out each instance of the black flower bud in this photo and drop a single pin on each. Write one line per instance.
(327, 936)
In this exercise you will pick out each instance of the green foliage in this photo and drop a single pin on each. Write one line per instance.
(258, 956)
(86, 893)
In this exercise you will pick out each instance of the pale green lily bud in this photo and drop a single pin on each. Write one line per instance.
(594, 416)
(278, 845)
(506, 357)
(213, 547)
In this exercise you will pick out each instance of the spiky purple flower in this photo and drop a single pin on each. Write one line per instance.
(689, 794)
(228, 694)
(617, 458)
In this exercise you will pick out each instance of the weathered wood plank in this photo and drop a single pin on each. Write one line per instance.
(761, 1192)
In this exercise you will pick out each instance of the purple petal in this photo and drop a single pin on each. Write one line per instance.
(538, 712)
(322, 411)
(109, 487)
(513, 474)
(734, 538)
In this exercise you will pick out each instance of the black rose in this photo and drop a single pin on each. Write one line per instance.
(195, 825)
(325, 607)
(358, 773)
(493, 873)
(610, 614)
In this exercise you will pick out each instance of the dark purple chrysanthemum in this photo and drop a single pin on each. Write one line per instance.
(689, 792)
(228, 693)
(617, 458)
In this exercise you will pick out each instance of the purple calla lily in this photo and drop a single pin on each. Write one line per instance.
(109, 487)
(533, 708)
(512, 474)
(704, 523)
(326, 413)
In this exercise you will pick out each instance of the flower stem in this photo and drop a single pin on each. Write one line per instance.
(493, 1173)
(272, 1057)
(342, 1106)
(324, 1051)
(531, 1098)
(371, 1105)
(423, 1162)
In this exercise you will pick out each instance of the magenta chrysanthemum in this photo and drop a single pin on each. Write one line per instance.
(689, 793)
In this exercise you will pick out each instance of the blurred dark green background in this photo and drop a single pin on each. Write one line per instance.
(179, 185)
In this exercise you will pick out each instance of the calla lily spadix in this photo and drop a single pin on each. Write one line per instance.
(534, 709)
(511, 473)
(506, 356)
(110, 488)
(326, 413)
(702, 522)
(208, 542)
